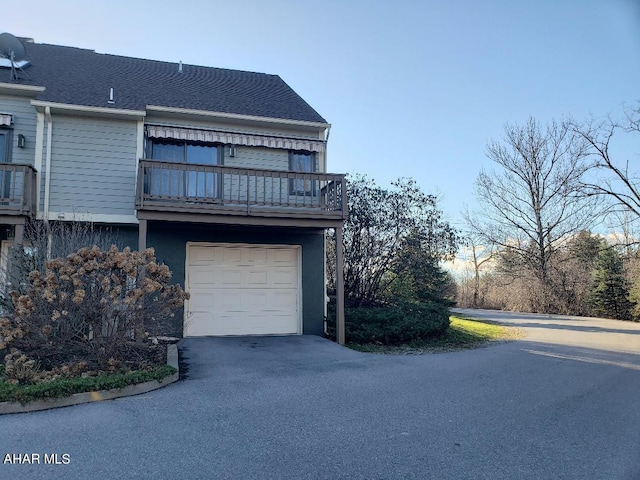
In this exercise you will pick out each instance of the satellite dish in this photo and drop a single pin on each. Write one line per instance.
(13, 49)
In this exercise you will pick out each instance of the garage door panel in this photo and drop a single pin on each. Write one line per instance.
(227, 301)
(250, 301)
(284, 256)
(229, 277)
(254, 256)
(281, 300)
(229, 256)
(201, 301)
(255, 276)
(201, 275)
(241, 290)
(200, 255)
(287, 276)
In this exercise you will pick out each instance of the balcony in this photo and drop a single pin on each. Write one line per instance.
(17, 190)
(224, 194)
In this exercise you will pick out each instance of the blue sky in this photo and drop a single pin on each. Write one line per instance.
(411, 88)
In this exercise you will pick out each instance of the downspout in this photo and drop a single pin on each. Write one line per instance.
(326, 147)
(47, 180)
(324, 240)
(139, 154)
(38, 160)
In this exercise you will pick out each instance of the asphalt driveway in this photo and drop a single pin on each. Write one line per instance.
(303, 407)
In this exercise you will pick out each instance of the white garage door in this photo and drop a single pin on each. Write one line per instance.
(242, 290)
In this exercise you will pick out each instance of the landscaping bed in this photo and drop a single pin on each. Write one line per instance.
(63, 387)
(462, 334)
(97, 320)
(61, 392)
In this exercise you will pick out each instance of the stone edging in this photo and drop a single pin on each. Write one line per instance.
(97, 396)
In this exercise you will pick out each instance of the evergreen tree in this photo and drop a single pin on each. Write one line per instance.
(610, 291)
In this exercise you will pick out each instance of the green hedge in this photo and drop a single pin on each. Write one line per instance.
(68, 386)
(394, 324)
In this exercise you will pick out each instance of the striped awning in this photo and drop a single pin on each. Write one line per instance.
(6, 119)
(194, 135)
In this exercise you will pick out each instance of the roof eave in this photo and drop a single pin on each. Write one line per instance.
(321, 126)
(21, 90)
(89, 110)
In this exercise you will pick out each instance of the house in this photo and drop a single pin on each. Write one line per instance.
(222, 171)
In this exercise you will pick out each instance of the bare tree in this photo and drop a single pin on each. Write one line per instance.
(478, 255)
(478, 261)
(616, 181)
(531, 205)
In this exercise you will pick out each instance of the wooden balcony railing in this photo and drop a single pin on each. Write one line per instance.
(197, 188)
(17, 189)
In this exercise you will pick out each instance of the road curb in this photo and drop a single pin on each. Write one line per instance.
(100, 395)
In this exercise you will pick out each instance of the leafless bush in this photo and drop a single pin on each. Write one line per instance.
(93, 305)
(44, 241)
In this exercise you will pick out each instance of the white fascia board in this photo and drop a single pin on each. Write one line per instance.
(22, 90)
(87, 110)
(236, 116)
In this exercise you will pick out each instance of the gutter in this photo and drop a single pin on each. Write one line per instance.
(235, 116)
(87, 110)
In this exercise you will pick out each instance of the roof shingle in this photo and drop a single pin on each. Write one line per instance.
(83, 77)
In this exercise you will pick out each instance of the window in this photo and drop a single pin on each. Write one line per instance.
(302, 161)
(5, 145)
(5, 157)
(181, 182)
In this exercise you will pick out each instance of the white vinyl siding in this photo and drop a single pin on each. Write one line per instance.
(93, 166)
(266, 158)
(242, 290)
(258, 157)
(267, 190)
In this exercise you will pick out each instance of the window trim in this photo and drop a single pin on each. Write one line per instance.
(5, 178)
(220, 150)
(312, 191)
(8, 132)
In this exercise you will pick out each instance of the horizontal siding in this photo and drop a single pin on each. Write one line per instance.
(93, 166)
(24, 122)
(265, 190)
(258, 157)
(255, 157)
(266, 158)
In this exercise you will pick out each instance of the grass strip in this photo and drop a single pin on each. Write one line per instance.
(68, 386)
(462, 334)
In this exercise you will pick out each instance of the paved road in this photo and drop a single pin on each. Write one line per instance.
(600, 334)
(563, 403)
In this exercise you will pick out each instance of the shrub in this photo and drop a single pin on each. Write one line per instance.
(95, 306)
(395, 324)
(63, 387)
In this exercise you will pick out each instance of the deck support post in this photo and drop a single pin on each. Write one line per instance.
(340, 328)
(142, 235)
(19, 234)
